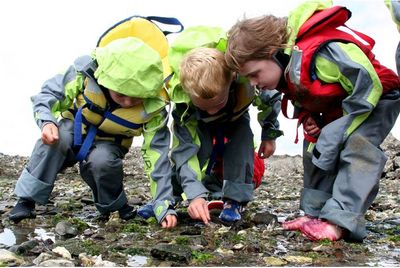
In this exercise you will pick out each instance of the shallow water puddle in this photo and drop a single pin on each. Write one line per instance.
(7, 237)
(137, 261)
(12, 237)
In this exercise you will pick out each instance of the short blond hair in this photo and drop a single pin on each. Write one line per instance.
(204, 73)
(255, 39)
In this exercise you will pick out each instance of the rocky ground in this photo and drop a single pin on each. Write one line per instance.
(67, 232)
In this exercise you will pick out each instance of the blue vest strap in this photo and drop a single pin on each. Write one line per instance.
(78, 128)
(167, 20)
(87, 143)
(218, 149)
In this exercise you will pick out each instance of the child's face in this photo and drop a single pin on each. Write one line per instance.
(264, 74)
(123, 100)
(213, 105)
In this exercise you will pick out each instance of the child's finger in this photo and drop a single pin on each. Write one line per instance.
(204, 214)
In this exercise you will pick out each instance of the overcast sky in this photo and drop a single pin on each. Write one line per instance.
(40, 38)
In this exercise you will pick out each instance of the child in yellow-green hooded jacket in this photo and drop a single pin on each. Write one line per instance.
(90, 114)
(210, 119)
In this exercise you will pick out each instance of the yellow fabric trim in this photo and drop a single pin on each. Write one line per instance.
(71, 90)
(356, 54)
(310, 147)
(356, 123)
(330, 73)
(145, 30)
(301, 14)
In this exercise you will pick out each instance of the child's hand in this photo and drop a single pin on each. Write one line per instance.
(267, 148)
(49, 134)
(170, 221)
(198, 210)
(311, 128)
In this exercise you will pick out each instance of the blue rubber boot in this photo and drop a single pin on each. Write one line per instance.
(231, 211)
(146, 211)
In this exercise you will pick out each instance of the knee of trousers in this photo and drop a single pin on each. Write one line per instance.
(100, 161)
(359, 149)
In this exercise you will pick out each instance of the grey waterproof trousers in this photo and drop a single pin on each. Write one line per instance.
(102, 170)
(344, 195)
(238, 159)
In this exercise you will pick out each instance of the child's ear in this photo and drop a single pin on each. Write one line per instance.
(234, 76)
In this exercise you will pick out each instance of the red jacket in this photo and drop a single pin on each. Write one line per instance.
(314, 95)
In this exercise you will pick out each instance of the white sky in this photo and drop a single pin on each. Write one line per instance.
(40, 38)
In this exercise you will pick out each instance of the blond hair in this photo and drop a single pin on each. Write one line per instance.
(255, 39)
(204, 73)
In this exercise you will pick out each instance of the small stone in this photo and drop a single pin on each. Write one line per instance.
(65, 228)
(225, 252)
(272, 261)
(63, 252)
(57, 263)
(238, 246)
(299, 259)
(8, 257)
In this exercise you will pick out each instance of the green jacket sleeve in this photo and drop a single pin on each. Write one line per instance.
(57, 95)
(157, 165)
(268, 102)
(394, 9)
(186, 144)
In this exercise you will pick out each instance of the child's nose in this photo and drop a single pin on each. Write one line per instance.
(253, 82)
(212, 111)
(129, 102)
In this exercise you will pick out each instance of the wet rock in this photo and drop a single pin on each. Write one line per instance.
(75, 246)
(8, 257)
(240, 225)
(264, 218)
(99, 262)
(193, 240)
(88, 232)
(370, 215)
(280, 249)
(300, 260)
(135, 201)
(24, 247)
(224, 251)
(86, 261)
(223, 230)
(65, 228)
(172, 252)
(238, 246)
(191, 231)
(242, 232)
(272, 261)
(42, 257)
(63, 252)
(322, 248)
(57, 263)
